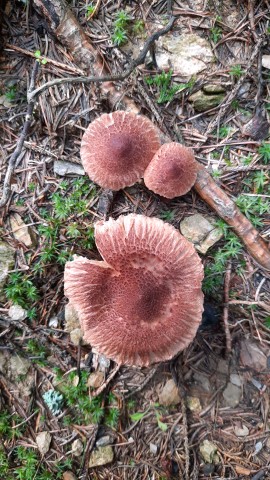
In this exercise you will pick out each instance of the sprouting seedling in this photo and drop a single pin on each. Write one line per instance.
(39, 57)
(136, 417)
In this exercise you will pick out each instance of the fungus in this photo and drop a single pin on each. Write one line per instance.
(117, 147)
(172, 171)
(143, 303)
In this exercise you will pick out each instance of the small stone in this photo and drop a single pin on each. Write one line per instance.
(69, 476)
(18, 366)
(77, 448)
(241, 431)
(15, 312)
(222, 366)
(53, 322)
(169, 394)
(252, 356)
(186, 54)
(213, 88)
(257, 127)
(202, 101)
(201, 231)
(21, 232)
(96, 379)
(76, 336)
(5, 102)
(103, 363)
(104, 441)
(6, 263)
(153, 448)
(203, 381)
(71, 318)
(63, 168)
(208, 450)
(194, 404)
(266, 61)
(101, 456)
(43, 442)
(232, 395)
(236, 379)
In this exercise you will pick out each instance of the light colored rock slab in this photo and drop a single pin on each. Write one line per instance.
(64, 169)
(43, 442)
(201, 231)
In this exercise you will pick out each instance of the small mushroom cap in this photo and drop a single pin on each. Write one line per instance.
(117, 147)
(143, 303)
(172, 171)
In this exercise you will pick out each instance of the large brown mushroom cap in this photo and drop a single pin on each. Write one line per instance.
(143, 303)
(117, 147)
(172, 171)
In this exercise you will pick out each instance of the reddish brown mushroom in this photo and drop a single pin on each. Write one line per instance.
(172, 171)
(117, 147)
(143, 303)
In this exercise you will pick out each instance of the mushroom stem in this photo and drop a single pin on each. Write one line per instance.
(219, 201)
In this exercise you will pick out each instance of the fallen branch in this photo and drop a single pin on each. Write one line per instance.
(18, 149)
(217, 199)
(108, 78)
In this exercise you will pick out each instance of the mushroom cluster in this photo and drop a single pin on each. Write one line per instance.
(119, 148)
(143, 302)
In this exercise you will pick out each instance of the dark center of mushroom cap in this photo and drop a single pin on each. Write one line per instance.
(140, 298)
(173, 170)
(121, 148)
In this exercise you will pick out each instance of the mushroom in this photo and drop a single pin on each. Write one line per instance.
(172, 171)
(143, 302)
(117, 147)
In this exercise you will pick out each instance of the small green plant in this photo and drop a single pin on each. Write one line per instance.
(121, 23)
(20, 290)
(215, 33)
(138, 27)
(10, 93)
(236, 71)
(224, 131)
(264, 151)
(267, 321)
(40, 58)
(259, 180)
(136, 417)
(38, 352)
(89, 10)
(166, 89)
(167, 215)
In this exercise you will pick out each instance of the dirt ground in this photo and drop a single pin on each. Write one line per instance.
(214, 423)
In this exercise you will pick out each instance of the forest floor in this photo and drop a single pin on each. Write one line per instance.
(215, 422)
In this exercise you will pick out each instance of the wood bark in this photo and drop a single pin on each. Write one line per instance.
(65, 27)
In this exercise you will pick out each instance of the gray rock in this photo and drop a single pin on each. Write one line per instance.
(53, 322)
(212, 88)
(6, 263)
(232, 395)
(71, 318)
(153, 448)
(15, 312)
(203, 381)
(266, 61)
(208, 450)
(104, 441)
(169, 394)
(101, 456)
(186, 54)
(63, 168)
(252, 355)
(235, 379)
(21, 232)
(201, 231)
(77, 447)
(203, 101)
(18, 366)
(43, 442)
(242, 431)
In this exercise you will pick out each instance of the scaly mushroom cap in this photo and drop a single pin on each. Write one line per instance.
(117, 147)
(172, 171)
(143, 303)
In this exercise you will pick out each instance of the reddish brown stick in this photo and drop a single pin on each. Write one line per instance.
(217, 199)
